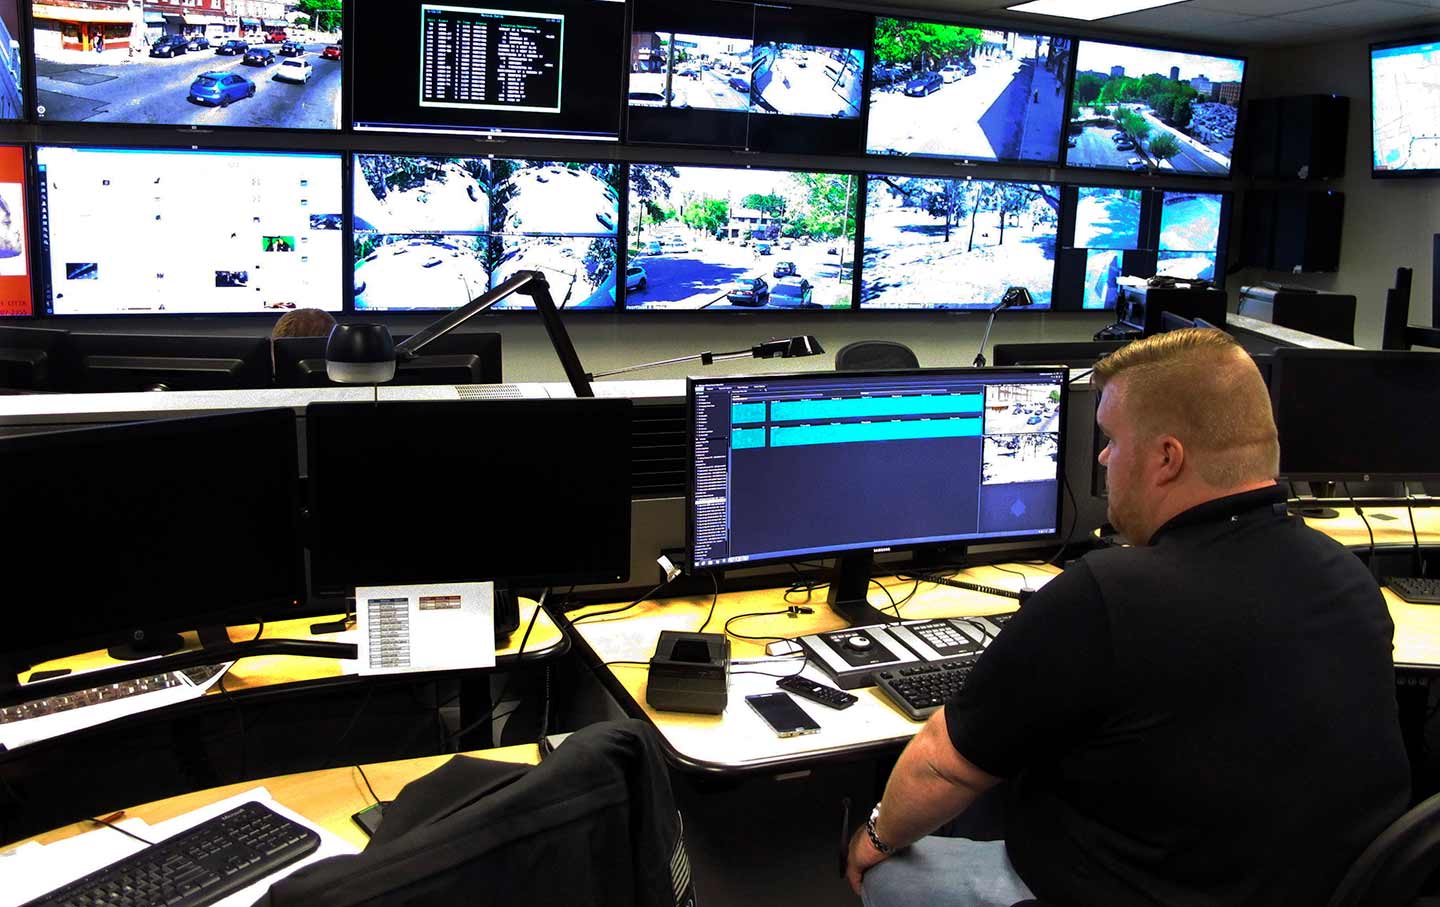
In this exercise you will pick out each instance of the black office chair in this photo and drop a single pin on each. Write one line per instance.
(1393, 868)
(870, 355)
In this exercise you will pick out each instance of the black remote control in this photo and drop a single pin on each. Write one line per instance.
(816, 692)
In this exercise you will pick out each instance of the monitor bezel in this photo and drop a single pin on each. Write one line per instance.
(914, 15)
(202, 616)
(766, 311)
(1156, 172)
(41, 304)
(690, 479)
(1277, 374)
(188, 130)
(1376, 173)
(348, 256)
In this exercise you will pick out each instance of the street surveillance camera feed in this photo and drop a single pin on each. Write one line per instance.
(122, 232)
(435, 233)
(1022, 434)
(740, 240)
(14, 253)
(942, 90)
(1107, 218)
(741, 75)
(933, 243)
(1102, 278)
(1405, 118)
(204, 64)
(1141, 109)
(512, 67)
(12, 61)
(1189, 234)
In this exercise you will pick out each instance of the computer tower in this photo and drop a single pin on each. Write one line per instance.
(1302, 137)
(1141, 307)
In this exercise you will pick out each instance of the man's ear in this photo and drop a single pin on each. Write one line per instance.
(1171, 454)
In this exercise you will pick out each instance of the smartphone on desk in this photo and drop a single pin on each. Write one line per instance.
(782, 714)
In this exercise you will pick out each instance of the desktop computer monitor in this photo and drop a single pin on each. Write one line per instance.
(452, 358)
(789, 467)
(1356, 414)
(529, 492)
(165, 525)
(30, 358)
(1078, 354)
(177, 362)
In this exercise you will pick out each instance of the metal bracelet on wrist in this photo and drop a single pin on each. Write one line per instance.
(875, 841)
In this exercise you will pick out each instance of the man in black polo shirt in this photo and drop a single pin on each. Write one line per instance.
(1207, 717)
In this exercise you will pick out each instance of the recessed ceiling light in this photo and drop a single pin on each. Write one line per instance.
(1089, 10)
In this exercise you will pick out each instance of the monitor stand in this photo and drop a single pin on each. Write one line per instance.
(146, 645)
(1312, 510)
(849, 588)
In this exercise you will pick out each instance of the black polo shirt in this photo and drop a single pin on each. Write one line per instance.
(1209, 719)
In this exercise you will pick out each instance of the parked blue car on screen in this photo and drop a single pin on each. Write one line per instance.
(220, 88)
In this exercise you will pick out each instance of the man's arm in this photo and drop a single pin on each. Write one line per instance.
(930, 785)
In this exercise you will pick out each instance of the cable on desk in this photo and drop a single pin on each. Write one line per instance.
(637, 601)
(239, 720)
(804, 660)
(1361, 514)
(366, 778)
(1082, 376)
(1410, 509)
(640, 664)
(893, 605)
(715, 580)
(1074, 518)
(108, 824)
(791, 610)
(1024, 579)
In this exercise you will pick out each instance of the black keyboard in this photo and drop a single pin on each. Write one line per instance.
(198, 866)
(920, 691)
(1415, 589)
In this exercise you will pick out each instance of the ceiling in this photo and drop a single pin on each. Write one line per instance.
(1241, 22)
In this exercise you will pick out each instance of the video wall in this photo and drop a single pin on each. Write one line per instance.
(425, 231)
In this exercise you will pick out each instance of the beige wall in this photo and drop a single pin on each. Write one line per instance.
(1389, 223)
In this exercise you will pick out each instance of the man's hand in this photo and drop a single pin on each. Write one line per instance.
(863, 855)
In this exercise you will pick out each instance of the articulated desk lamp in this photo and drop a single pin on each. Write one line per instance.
(1014, 298)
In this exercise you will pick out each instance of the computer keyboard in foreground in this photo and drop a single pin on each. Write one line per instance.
(920, 690)
(196, 867)
(1415, 589)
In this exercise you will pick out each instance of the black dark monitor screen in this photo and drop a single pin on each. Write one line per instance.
(525, 491)
(762, 76)
(452, 358)
(519, 67)
(1080, 354)
(177, 362)
(201, 63)
(1356, 414)
(1148, 109)
(796, 466)
(178, 524)
(940, 89)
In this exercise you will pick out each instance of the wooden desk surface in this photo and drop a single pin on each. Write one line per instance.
(327, 797)
(1391, 526)
(738, 739)
(269, 670)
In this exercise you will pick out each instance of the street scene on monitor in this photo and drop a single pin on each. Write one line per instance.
(957, 244)
(942, 90)
(718, 238)
(1189, 234)
(12, 67)
(257, 63)
(1107, 218)
(435, 233)
(1140, 109)
(1405, 92)
(804, 80)
(704, 72)
(1022, 433)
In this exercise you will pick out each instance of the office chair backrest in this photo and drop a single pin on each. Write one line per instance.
(870, 355)
(1396, 864)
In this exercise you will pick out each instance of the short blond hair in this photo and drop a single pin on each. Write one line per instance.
(1200, 386)
(304, 323)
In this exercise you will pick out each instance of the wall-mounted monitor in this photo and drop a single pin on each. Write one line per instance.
(537, 68)
(947, 90)
(1405, 107)
(13, 62)
(727, 239)
(200, 64)
(1189, 234)
(435, 233)
(1144, 109)
(933, 243)
(147, 231)
(741, 75)
(14, 236)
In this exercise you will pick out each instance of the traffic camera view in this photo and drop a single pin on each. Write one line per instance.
(1189, 234)
(935, 243)
(1107, 218)
(940, 90)
(1139, 109)
(12, 94)
(435, 233)
(122, 233)
(138, 61)
(730, 239)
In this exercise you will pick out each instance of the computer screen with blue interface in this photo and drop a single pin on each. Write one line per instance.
(796, 466)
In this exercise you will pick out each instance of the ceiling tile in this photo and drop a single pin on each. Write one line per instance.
(1261, 7)
(1286, 31)
(1428, 4)
(1358, 12)
(1179, 19)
